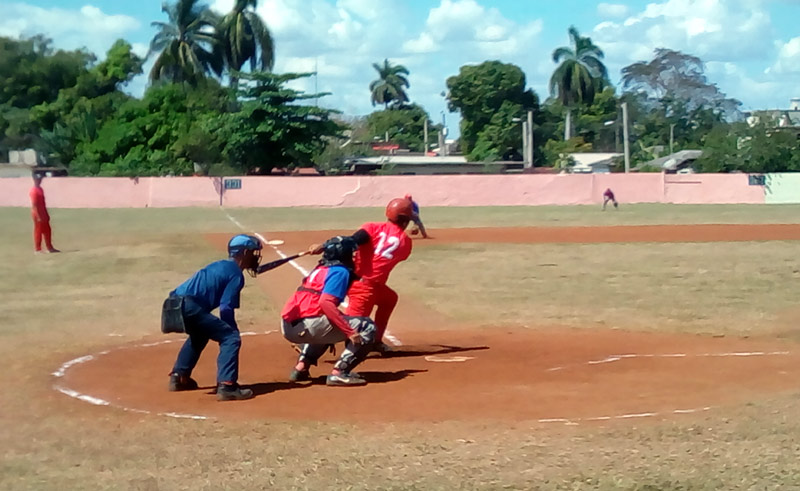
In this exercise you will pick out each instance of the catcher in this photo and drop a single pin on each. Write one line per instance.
(188, 309)
(312, 319)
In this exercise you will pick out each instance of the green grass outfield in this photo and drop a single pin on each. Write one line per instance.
(119, 264)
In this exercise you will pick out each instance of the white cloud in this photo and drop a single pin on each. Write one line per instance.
(788, 58)
(612, 10)
(733, 30)
(87, 27)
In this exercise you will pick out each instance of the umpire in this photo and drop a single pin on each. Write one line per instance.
(188, 309)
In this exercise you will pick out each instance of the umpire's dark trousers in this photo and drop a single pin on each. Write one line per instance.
(202, 326)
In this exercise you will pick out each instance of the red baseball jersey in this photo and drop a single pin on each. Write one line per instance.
(37, 202)
(305, 301)
(388, 245)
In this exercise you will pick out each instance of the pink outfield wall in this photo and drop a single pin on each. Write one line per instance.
(358, 191)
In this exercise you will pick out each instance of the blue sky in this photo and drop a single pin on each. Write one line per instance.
(751, 47)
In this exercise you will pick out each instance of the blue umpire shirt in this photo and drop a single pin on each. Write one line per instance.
(219, 283)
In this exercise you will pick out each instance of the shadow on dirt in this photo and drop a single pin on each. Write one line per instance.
(435, 349)
(270, 387)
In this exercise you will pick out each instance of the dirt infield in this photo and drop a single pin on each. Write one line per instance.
(549, 374)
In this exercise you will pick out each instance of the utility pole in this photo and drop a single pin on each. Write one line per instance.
(524, 143)
(626, 136)
(444, 136)
(671, 136)
(425, 137)
(529, 159)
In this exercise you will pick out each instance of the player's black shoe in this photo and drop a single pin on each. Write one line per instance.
(233, 392)
(178, 383)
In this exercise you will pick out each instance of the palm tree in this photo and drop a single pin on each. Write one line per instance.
(389, 87)
(187, 44)
(579, 76)
(244, 36)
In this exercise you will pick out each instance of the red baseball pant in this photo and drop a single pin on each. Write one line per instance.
(364, 296)
(41, 230)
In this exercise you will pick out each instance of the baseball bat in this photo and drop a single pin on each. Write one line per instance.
(278, 262)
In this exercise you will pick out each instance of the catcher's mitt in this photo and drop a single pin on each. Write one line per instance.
(414, 231)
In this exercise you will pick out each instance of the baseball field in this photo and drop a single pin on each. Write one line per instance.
(653, 347)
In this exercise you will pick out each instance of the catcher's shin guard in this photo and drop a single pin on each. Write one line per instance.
(354, 354)
(310, 353)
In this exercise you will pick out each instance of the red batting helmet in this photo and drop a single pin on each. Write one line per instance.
(399, 208)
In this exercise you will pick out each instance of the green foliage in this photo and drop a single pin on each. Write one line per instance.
(389, 88)
(757, 149)
(32, 73)
(557, 152)
(162, 134)
(270, 130)
(188, 46)
(405, 126)
(675, 76)
(580, 73)
(579, 76)
(245, 37)
(489, 96)
(73, 118)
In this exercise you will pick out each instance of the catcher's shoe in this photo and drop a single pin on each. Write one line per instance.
(345, 380)
(233, 392)
(382, 348)
(299, 375)
(178, 383)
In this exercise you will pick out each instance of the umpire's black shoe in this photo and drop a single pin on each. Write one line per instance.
(178, 383)
(233, 392)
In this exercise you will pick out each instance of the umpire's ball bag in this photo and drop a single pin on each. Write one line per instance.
(172, 315)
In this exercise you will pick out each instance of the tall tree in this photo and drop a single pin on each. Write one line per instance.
(675, 78)
(390, 86)
(187, 45)
(489, 97)
(579, 75)
(245, 37)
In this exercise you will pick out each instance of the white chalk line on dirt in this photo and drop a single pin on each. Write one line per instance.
(303, 271)
(616, 358)
(61, 372)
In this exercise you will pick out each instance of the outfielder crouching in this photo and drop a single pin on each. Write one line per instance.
(312, 319)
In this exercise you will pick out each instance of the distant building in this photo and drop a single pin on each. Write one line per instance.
(675, 163)
(780, 118)
(593, 163)
(23, 163)
(426, 165)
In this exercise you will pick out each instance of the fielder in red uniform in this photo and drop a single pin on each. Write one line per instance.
(609, 196)
(41, 219)
(382, 245)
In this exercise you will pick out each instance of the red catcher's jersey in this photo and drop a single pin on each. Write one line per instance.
(388, 245)
(305, 303)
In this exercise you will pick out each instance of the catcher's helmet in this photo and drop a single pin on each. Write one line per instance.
(240, 243)
(338, 250)
(399, 208)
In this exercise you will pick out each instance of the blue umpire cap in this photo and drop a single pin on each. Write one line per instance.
(240, 243)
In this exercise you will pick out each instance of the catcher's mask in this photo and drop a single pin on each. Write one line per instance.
(248, 248)
(400, 211)
(338, 250)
